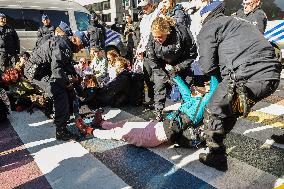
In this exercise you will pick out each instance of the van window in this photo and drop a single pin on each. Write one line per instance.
(32, 18)
(273, 9)
(14, 18)
(82, 20)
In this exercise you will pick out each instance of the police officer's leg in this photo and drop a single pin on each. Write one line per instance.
(61, 108)
(147, 77)
(260, 90)
(218, 120)
(160, 79)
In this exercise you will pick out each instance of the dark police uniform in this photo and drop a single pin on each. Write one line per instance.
(179, 50)
(55, 57)
(44, 33)
(257, 17)
(9, 46)
(249, 70)
(97, 35)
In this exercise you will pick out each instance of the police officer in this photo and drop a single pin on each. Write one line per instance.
(46, 29)
(9, 44)
(62, 30)
(56, 52)
(96, 33)
(249, 70)
(252, 12)
(170, 50)
(116, 26)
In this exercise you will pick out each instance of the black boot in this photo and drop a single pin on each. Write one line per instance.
(216, 158)
(278, 138)
(65, 135)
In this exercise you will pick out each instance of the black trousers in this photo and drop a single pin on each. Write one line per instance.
(61, 105)
(148, 78)
(219, 117)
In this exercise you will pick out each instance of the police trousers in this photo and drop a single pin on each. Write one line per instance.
(219, 117)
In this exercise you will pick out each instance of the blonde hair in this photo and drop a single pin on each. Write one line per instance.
(163, 25)
(123, 63)
(59, 31)
(114, 54)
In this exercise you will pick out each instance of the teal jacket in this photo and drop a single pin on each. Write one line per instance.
(191, 103)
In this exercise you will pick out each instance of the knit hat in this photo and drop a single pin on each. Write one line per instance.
(210, 7)
(84, 39)
(2, 15)
(64, 27)
(44, 17)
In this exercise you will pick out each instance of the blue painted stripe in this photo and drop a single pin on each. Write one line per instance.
(273, 29)
(141, 168)
(108, 31)
(110, 40)
(275, 34)
(111, 35)
(278, 39)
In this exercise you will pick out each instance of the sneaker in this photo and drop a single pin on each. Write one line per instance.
(278, 138)
(217, 161)
(66, 135)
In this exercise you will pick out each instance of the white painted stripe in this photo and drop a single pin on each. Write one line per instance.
(258, 129)
(273, 109)
(64, 164)
(239, 175)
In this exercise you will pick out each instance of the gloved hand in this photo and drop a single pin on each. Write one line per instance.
(171, 71)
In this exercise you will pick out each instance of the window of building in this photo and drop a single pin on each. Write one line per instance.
(106, 17)
(82, 20)
(106, 5)
(97, 6)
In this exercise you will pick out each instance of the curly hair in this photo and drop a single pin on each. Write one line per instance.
(123, 63)
(163, 25)
(114, 54)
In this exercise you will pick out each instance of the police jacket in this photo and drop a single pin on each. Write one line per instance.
(54, 61)
(97, 35)
(115, 93)
(9, 41)
(229, 44)
(256, 17)
(179, 50)
(45, 30)
(180, 16)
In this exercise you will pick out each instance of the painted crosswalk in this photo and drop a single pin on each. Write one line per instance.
(30, 157)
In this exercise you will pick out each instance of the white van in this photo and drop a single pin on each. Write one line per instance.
(25, 17)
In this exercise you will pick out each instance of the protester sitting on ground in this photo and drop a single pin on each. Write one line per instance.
(83, 68)
(21, 92)
(111, 56)
(174, 129)
(99, 64)
(116, 92)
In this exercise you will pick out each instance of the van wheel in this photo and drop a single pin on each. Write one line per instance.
(109, 48)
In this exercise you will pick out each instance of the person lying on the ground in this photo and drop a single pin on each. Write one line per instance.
(151, 134)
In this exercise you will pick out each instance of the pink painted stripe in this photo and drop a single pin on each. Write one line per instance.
(17, 166)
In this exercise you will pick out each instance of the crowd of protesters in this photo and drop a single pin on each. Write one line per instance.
(221, 66)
